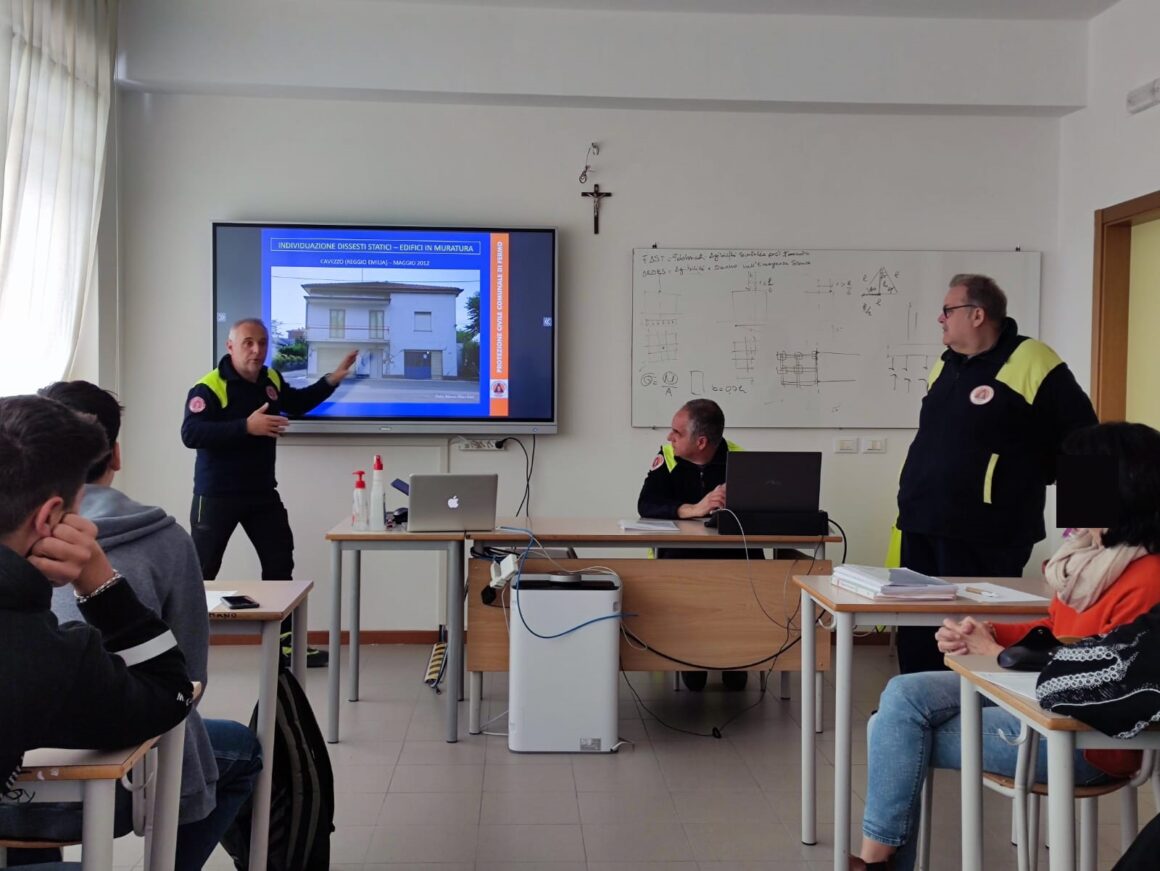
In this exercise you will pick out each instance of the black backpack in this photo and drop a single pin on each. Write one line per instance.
(302, 799)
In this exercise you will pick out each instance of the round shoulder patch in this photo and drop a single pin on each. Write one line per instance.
(271, 392)
(982, 394)
(656, 463)
(197, 405)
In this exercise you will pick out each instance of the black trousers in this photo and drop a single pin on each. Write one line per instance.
(949, 557)
(212, 520)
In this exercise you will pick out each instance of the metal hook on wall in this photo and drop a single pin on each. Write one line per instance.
(593, 150)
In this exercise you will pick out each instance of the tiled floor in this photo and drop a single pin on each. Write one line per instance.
(408, 800)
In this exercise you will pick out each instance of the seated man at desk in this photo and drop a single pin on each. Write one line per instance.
(687, 480)
(222, 758)
(114, 681)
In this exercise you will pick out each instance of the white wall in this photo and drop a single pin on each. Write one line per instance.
(679, 178)
(1106, 156)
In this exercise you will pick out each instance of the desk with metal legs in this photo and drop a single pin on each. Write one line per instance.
(848, 608)
(605, 533)
(1064, 735)
(344, 538)
(276, 600)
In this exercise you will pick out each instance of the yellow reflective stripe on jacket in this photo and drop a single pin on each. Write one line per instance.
(275, 377)
(217, 384)
(989, 477)
(934, 372)
(1026, 368)
(671, 458)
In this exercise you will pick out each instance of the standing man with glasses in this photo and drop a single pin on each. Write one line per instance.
(973, 488)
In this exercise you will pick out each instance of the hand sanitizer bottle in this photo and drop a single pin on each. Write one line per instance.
(359, 508)
(377, 509)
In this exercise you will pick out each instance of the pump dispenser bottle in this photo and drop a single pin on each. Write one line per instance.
(378, 507)
(360, 509)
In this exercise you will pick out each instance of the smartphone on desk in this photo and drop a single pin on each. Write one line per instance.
(239, 603)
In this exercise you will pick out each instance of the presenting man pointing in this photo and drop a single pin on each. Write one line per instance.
(233, 418)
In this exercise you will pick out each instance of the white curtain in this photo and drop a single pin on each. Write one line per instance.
(59, 94)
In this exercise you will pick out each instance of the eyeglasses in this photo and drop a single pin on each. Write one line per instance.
(947, 309)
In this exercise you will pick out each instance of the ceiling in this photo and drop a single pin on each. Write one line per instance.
(1008, 9)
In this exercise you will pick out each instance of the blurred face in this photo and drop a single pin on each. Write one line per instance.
(960, 320)
(247, 346)
(684, 445)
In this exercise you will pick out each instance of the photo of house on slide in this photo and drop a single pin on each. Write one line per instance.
(418, 341)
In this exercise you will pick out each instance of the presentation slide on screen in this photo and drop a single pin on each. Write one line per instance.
(425, 310)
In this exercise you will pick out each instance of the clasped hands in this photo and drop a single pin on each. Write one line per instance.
(967, 636)
(713, 500)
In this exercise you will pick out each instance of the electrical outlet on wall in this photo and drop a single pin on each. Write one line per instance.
(846, 445)
(873, 445)
(480, 444)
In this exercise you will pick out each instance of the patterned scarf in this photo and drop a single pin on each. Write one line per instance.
(1080, 571)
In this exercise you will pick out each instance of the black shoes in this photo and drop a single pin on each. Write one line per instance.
(695, 680)
(315, 658)
(733, 680)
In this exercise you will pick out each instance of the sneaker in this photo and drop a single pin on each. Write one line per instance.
(735, 680)
(315, 658)
(695, 680)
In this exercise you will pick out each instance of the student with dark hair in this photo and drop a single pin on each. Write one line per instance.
(972, 490)
(222, 758)
(1101, 578)
(113, 681)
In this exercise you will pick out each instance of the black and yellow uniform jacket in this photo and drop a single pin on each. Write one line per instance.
(988, 436)
(230, 461)
(672, 482)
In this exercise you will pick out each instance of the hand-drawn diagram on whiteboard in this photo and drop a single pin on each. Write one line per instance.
(800, 338)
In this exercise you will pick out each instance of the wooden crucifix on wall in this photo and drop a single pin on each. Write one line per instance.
(597, 195)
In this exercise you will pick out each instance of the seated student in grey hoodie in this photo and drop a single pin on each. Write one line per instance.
(222, 758)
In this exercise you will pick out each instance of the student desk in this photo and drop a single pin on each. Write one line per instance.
(344, 538)
(91, 776)
(276, 600)
(846, 608)
(1064, 735)
(677, 614)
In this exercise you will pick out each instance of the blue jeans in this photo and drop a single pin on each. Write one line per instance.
(918, 727)
(239, 760)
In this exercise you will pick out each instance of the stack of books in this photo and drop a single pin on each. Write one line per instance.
(892, 585)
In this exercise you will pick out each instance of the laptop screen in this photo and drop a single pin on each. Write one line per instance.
(773, 480)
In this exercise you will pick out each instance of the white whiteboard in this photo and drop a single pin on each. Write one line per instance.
(797, 338)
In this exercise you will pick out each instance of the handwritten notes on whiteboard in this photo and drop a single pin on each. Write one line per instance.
(801, 338)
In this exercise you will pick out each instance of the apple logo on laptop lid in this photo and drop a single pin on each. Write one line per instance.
(453, 502)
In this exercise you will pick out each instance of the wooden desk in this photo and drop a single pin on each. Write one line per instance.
(847, 607)
(676, 616)
(344, 538)
(276, 600)
(58, 775)
(1064, 736)
(606, 532)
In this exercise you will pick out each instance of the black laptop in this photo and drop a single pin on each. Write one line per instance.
(773, 481)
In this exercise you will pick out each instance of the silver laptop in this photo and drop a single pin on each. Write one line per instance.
(452, 503)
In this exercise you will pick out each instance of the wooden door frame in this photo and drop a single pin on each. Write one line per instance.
(1110, 291)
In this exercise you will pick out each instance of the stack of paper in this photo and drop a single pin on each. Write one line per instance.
(892, 584)
(642, 524)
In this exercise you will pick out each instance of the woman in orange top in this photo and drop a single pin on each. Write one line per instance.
(1100, 578)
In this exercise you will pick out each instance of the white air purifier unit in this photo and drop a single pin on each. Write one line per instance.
(564, 661)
